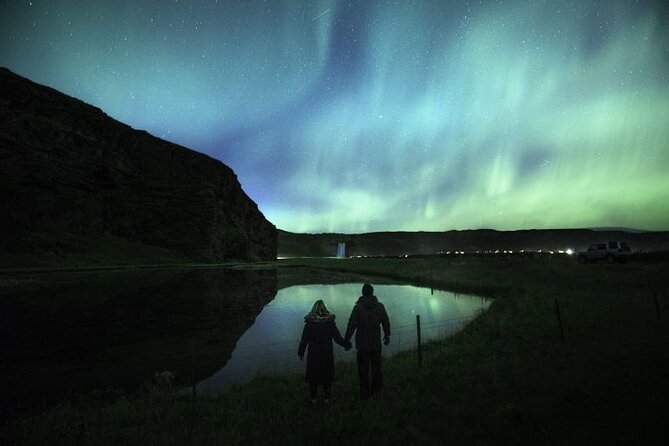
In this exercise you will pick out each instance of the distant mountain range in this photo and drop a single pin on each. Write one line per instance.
(620, 229)
(410, 243)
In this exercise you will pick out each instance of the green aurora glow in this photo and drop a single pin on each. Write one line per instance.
(423, 115)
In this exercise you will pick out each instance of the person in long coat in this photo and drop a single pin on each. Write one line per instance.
(317, 336)
(366, 320)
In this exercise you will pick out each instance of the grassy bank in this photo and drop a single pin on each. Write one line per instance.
(508, 378)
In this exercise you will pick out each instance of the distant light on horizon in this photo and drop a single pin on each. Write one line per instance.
(376, 116)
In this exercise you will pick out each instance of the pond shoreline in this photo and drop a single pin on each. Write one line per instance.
(70, 329)
(506, 378)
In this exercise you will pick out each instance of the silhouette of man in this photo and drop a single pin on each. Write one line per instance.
(366, 320)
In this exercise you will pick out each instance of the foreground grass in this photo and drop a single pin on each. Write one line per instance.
(508, 378)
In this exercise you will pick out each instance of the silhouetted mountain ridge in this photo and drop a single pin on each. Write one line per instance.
(407, 243)
(620, 229)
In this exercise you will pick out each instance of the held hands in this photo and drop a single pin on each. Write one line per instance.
(348, 345)
(386, 340)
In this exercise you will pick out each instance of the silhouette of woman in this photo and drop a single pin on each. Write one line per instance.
(318, 333)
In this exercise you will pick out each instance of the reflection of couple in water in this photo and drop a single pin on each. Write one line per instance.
(366, 320)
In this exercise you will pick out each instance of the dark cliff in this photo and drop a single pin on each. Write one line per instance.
(70, 172)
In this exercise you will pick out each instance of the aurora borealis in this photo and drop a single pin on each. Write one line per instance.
(363, 116)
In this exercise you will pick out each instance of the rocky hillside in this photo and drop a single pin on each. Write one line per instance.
(73, 180)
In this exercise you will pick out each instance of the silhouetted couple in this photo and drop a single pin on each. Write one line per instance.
(366, 320)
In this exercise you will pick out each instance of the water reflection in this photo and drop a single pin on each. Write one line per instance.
(63, 334)
(270, 344)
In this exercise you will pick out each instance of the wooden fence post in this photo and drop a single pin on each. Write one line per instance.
(559, 318)
(192, 366)
(657, 305)
(420, 351)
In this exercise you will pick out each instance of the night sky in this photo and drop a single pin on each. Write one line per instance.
(363, 116)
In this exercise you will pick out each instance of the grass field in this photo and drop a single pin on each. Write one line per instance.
(510, 377)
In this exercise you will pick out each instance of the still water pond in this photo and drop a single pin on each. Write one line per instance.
(69, 333)
(270, 344)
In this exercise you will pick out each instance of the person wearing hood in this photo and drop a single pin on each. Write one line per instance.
(366, 320)
(317, 335)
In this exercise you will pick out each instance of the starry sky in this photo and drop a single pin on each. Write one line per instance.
(359, 116)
